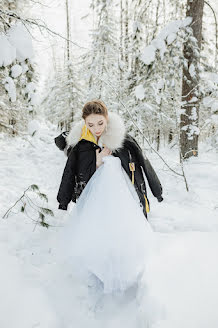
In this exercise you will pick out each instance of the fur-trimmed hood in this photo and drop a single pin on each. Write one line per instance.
(113, 137)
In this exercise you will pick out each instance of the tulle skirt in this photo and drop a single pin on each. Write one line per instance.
(107, 234)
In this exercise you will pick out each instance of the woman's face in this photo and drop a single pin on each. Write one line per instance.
(96, 123)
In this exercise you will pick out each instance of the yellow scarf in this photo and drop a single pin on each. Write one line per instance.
(87, 134)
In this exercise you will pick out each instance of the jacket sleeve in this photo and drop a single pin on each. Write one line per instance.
(153, 181)
(61, 143)
(66, 189)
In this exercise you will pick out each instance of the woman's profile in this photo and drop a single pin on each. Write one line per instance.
(108, 234)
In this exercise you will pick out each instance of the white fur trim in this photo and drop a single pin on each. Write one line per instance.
(113, 138)
(75, 133)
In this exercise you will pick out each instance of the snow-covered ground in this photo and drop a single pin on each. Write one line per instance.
(180, 288)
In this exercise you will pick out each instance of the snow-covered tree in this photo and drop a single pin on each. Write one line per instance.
(17, 87)
(63, 96)
(102, 59)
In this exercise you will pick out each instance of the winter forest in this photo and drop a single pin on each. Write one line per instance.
(155, 63)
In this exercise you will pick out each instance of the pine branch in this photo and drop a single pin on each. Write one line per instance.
(27, 201)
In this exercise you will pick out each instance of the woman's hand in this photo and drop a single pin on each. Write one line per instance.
(105, 152)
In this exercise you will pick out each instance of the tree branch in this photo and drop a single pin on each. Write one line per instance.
(140, 130)
(35, 23)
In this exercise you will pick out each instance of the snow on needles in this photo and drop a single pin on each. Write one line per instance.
(16, 44)
(166, 36)
(7, 53)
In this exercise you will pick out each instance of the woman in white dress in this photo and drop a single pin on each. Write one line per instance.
(107, 234)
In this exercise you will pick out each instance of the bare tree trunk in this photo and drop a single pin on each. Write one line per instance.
(69, 72)
(216, 31)
(68, 30)
(156, 20)
(121, 30)
(170, 136)
(164, 12)
(158, 139)
(190, 95)
(126, 40)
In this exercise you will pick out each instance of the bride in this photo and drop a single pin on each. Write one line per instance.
(107, 235)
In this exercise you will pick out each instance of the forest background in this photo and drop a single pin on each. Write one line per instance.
(155, 63)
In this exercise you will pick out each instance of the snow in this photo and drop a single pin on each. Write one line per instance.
(192, 70)
(166, 36)
(7, 53)
(176, 60)
(214, 106)
(214, 119)
(192, 128)
(31, 91)
(20, 38)
(207, 101)
(10, 87)
(140, 92)
(30, 87)
(20, 295)
(148, 55)
(160, 84)
(193, 99)
(170, 38)
(136, 26)
(16, 44)
(34, 127)
(180, 286)
(211, 103)
(193, 115)
(213, 77)
(25, 67)
(34, 99)
(16, 70)
(190, 269)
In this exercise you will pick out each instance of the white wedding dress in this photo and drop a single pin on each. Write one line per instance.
(107, 234)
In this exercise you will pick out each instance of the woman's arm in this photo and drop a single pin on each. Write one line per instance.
(153, 181)
(66, 189)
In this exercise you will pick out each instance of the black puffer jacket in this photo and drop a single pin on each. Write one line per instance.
(81, 163)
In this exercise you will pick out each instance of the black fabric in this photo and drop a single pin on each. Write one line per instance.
(81, 165)
(62, 207)
(151, 176)
(61, 142)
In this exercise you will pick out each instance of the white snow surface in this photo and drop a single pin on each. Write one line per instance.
(180, 286)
